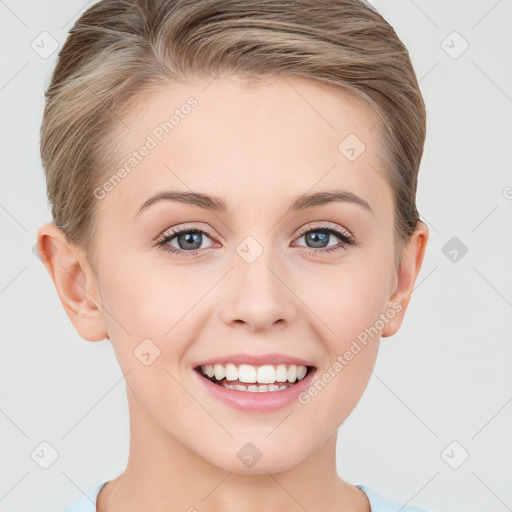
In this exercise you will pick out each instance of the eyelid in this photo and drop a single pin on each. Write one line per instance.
(325, 225)
(193, 227)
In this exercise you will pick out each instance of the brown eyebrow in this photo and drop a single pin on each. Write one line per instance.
(209, 202)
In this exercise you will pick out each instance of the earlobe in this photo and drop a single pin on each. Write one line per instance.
(74, 280)
(412, 259)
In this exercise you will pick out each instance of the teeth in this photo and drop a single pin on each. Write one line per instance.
(219, 371)
(266, 374)
(292, 373)
(281, 373)
(254, 389)
(247, 373)
(231, 372)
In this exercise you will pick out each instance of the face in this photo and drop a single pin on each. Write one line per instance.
(257, 277)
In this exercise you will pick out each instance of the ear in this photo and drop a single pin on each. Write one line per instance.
(412, 258)
(74, 279)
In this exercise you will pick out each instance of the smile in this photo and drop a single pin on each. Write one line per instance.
(249, 378)
(255, 388)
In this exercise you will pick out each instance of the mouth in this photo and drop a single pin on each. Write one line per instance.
(255, 379)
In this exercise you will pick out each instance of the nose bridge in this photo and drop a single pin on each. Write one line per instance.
(257, 296)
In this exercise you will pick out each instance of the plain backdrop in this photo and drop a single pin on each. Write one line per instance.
(433, 427)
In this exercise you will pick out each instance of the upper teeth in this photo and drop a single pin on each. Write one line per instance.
(266, 374)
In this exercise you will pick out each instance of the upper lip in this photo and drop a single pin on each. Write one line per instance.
(255, 360)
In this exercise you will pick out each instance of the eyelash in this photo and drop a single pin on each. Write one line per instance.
(347, 240)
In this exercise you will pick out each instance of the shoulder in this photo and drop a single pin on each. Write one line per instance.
(87, 503)
(380, 504)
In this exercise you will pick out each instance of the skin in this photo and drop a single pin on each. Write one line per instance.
(257, 146)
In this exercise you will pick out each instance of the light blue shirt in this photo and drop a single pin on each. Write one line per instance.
(377, 502)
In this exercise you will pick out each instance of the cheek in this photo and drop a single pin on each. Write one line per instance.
(148, 338)
(147, 302)
(346, 300)
(348, 303)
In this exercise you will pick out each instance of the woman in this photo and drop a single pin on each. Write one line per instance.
(233, 193)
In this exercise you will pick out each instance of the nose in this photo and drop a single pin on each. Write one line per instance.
(259, 298)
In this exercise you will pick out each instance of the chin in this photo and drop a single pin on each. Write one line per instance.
(256, 458)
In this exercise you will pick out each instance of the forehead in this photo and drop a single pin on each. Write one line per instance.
(243, 140)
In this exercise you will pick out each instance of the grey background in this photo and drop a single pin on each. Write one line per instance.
(444, 377)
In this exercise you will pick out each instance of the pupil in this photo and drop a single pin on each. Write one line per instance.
(190, 238)
(315, 235)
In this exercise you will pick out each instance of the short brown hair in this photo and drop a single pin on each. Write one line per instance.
(120, 48)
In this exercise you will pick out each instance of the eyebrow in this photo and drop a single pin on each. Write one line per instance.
(217, 204)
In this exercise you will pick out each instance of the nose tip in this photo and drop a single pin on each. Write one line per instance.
(258, 325)
(259, 299)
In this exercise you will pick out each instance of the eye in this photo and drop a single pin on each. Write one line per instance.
(187, 239)
(319, 237)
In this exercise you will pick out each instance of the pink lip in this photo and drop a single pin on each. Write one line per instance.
(257, 401)
(255, 360)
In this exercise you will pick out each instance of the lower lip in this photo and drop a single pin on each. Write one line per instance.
(257, 400)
